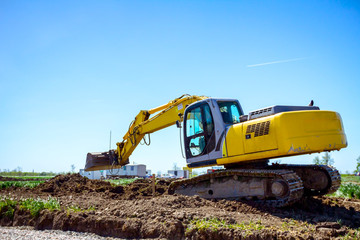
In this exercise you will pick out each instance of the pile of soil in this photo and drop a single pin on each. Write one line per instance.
(133, 212)
(73, 183)
(143, 188)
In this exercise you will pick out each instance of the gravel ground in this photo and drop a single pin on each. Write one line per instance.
(28, 233)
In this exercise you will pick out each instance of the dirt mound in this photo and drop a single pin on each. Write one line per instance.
(176, 217)
(143, 188)
(73, 183)
(131, 211)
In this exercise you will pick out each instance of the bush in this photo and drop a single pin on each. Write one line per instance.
(7, 207)
(35, 206)
(349, 190)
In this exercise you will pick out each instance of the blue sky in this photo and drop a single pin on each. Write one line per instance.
(71, 71)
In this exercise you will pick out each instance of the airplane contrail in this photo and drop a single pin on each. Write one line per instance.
(274, 62)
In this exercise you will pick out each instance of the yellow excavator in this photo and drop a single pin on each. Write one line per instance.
(217, 132)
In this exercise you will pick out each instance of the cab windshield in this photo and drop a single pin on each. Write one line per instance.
(230, 111)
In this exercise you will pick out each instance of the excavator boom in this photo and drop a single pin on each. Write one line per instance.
(144, 123)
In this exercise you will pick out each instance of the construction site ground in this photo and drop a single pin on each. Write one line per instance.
(132, 212)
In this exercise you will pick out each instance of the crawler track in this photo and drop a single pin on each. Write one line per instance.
(317, 179)
(205, 185)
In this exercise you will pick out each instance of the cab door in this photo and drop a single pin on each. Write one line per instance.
(199, 134)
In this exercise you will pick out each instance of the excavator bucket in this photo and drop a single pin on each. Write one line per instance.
(98, 161)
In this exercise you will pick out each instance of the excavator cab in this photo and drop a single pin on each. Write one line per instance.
(204, 126)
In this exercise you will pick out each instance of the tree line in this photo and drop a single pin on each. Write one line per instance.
(327, 160)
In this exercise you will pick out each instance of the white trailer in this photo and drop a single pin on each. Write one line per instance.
(134, 170)
(99, 174)
(179, 173)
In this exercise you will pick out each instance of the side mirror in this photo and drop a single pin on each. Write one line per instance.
(178, 124)
(243, 118)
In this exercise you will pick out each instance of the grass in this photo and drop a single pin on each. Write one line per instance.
(74, 208)
(35, 206)
(347, 178)
(29, 184)
(348, 190)
(32, 184)
(291, 224)
(350, 187)
(30, 177)
(247, 228)
(122, 181)
(352, 234)
(7, 206)
(214, 224)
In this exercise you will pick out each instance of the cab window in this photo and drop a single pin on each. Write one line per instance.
(199, 128)
(194, 122)
(230, 112)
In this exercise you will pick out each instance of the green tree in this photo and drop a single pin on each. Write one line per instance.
(357, 165)
(317, 160)
(325, 160)
(72, 168)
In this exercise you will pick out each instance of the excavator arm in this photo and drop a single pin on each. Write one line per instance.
(146, 122)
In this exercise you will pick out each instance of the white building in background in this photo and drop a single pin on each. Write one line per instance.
(179, 173)
(135, 170)
(99, 174)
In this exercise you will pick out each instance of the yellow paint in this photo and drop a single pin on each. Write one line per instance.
(290, 133)
(224, 150)
(146, 123)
